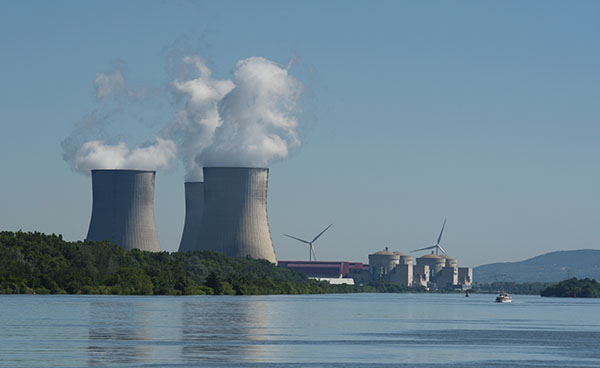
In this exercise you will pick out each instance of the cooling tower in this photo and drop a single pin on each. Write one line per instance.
(123, 209)
(194, 205)
(234, 221)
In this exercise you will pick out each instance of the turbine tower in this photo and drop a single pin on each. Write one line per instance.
(311, 247)
(234, 220)
(437, 246)
(123, 209)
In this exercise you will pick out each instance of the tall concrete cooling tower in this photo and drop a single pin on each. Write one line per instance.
(123, 209)
(194, 206)
(235, 221)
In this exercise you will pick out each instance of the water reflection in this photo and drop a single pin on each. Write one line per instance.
(308, 330)
(117, 331)
(223, 329)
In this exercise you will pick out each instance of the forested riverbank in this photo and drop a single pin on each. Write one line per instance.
(47, 264)
(574, 288)
(523, 288)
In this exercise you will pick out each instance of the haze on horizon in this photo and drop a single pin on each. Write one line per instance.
(482, 113)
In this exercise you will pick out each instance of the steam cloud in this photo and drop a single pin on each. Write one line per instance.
(108, 83)
(89, 146)
(114, 84)
(193, 127)
(246, 121)
(98, 154)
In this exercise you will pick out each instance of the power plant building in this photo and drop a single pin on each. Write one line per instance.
(234, 220)
(123, 209)
(435, 263)
(449, 261)
(194, 207)
(431, 271)
(465, 276)
(383, 262)
(402, 274)
(421, 275)
(447, 277)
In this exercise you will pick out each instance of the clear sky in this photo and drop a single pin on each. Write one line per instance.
(482, 112)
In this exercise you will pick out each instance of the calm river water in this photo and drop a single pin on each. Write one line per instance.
(367, 330)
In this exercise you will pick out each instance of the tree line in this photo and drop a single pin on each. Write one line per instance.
(33, 262)
(531, 288)
(584, 288)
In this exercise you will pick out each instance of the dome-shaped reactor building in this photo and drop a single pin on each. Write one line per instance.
(435, 263)
(123, 209)
(404, 258)
(234, 220)
(194, 208)
(383, 262)
(450, 261)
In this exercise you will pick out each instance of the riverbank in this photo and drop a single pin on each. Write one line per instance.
(574, 288)
(36, 263)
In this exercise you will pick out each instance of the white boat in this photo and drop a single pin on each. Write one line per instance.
(503, 298)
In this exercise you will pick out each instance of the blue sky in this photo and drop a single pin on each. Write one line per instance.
(482, 112)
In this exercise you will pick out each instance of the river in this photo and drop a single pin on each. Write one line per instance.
(354, 330)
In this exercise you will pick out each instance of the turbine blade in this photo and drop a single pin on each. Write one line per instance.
(321, 233)
(416, 250)
(441, 232)
(312, 247)
(293, 237)
(442, 249)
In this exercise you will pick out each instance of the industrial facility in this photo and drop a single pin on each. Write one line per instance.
(335, 272)
(431, 271)
(194, 207)
(234, 219)
(123, 209)
(227, 213)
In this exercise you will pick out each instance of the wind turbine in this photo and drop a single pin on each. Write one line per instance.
(311, 248)
(437, 246)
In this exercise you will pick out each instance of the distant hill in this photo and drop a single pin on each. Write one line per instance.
(549, 267)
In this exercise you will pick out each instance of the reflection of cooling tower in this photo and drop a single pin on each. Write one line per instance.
(123, 209)
(234, 221)
(194, 203)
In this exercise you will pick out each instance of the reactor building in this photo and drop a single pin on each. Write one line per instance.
(431, 271)
(194, 207)
(234, 219)
(123, 209)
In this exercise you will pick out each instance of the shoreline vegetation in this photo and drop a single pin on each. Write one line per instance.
(36, 263)
(574, 288)
(523, 288)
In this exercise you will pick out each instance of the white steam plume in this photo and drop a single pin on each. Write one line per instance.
(99, 155)
(258, 122)
(193, 126)
(88, 146)
(108, 83)
(114, 84)
(248, 121)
